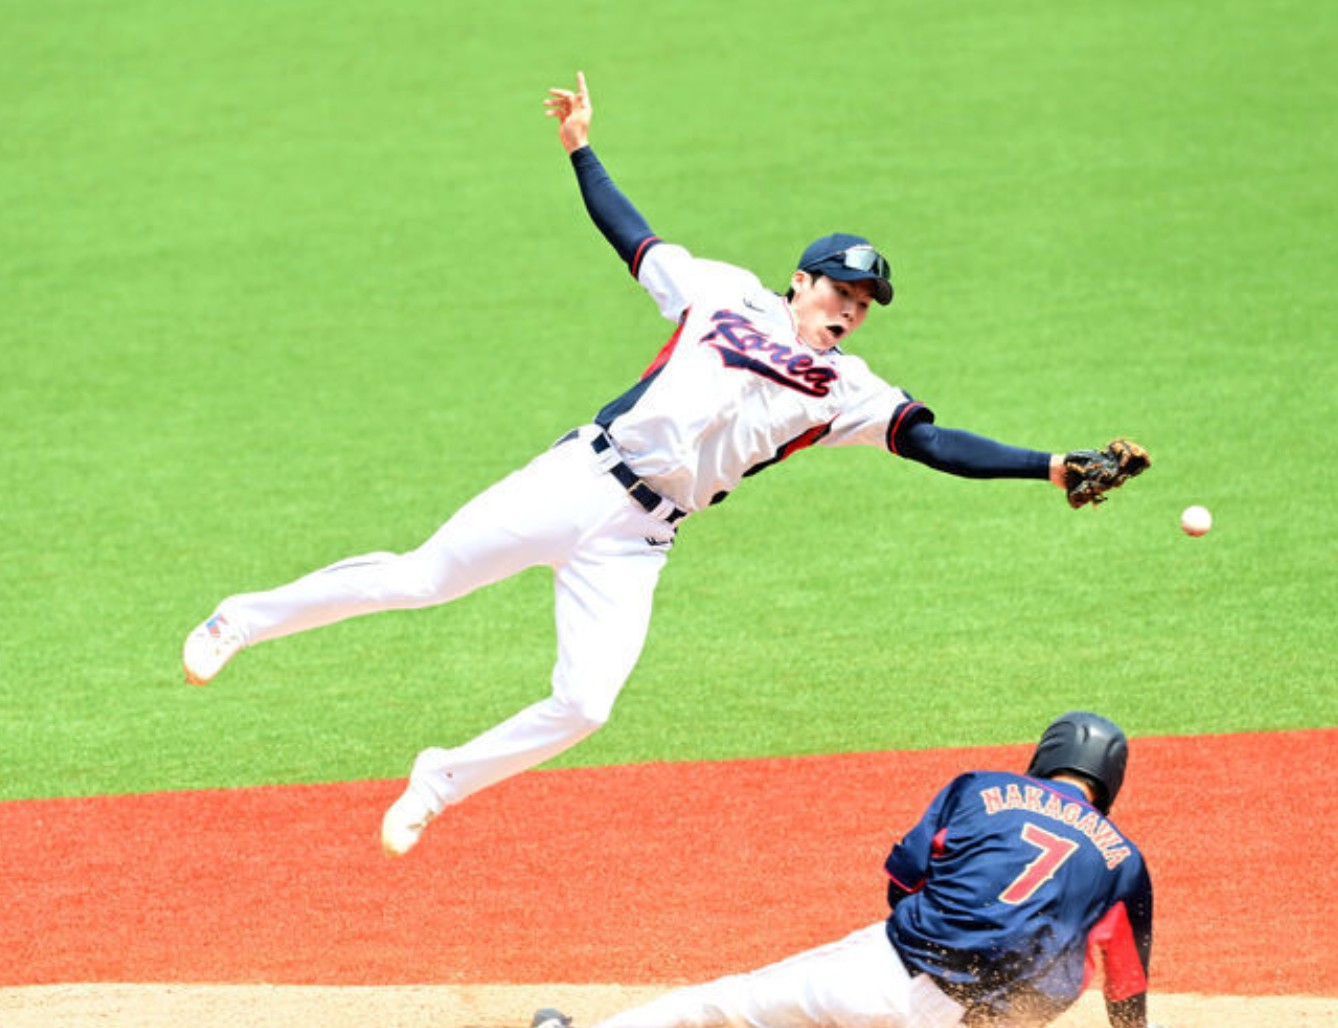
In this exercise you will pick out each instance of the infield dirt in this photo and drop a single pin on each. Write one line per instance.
(274, 905)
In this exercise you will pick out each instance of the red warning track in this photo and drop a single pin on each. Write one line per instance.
(649, 873)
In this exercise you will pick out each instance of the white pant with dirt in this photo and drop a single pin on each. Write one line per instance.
(858, 982)
(562, 510)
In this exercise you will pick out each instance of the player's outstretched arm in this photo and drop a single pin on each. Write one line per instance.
(956, 452)
(620, 222)
(573, 111)
(974, 456)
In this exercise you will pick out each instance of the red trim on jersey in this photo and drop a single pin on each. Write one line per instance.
(1124, 972)
(940, 844)
(907, 889)
(936, 849)
(667, 350)
(898, 421)
(634, 265)
(804, 441)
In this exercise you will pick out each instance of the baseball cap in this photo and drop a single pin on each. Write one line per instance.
(850, 259)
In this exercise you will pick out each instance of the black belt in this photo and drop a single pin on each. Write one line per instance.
(637, 489)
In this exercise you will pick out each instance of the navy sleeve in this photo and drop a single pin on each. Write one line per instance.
(970, 456)
(1124, 938)
(613, 214)
(907, 866)
(1139, 908)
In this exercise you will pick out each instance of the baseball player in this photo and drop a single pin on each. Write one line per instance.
(747, 378)
(1005, 897)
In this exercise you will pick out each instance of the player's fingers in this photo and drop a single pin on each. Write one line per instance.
(558, 105)
(581, 87)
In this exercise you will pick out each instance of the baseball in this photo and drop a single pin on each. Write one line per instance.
(1196, 520)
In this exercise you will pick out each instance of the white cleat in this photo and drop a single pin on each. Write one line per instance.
(209, 647)
(408, 816)
(550, 1018)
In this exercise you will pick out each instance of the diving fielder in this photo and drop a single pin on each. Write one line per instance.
(748, 378)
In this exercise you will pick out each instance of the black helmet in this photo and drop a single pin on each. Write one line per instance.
(1086, 743)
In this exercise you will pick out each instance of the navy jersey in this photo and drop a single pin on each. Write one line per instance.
(1008, 890)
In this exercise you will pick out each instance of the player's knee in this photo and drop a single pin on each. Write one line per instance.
(582, 714)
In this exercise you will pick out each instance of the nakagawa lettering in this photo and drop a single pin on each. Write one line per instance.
(1053, 807)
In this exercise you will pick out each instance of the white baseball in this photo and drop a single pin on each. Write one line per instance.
(1196, 520)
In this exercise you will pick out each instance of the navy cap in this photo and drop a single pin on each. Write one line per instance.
(850, 259)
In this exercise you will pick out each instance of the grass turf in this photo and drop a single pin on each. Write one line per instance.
(290, 283)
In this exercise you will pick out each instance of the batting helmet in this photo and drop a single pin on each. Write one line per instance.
(1088, 744)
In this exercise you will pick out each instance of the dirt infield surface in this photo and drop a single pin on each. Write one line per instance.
(498, 1006)
(248, 906)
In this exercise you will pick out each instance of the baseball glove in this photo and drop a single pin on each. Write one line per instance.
(1090, 474)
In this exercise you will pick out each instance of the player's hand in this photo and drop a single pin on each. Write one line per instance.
(1058, 476)
(573, 112)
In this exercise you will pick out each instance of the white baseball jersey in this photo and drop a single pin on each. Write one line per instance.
(735, 389)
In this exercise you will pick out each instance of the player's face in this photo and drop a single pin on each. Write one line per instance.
(826, 310)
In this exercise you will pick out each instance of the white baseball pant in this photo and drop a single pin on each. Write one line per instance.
(562, 510)
(857, 982)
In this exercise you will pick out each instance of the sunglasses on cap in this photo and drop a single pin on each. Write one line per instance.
(858, 258)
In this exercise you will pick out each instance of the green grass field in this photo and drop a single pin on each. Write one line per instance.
(285, 282)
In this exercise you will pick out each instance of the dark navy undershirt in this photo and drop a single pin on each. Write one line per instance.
(613, 214)
(968, 455)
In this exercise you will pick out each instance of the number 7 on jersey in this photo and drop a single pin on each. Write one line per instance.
(1054, 851)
